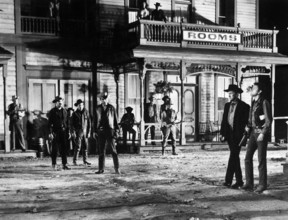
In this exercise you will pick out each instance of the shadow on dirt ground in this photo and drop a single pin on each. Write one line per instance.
(187, 186)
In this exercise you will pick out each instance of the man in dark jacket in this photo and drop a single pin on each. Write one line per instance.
(58, 126)
(259, 125)
(16, 113)
(235, 118)
(81, 128)
(127, 123)
(106, 131)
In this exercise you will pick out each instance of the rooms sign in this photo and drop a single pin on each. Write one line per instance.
(229, 38)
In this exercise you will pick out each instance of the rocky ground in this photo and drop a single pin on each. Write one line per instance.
(187, 186)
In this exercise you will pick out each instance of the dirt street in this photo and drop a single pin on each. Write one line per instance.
(187, 186)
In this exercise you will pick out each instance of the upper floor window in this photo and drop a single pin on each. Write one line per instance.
(225, 12)
(134, 6)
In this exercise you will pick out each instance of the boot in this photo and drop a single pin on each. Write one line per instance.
(163, 151)
(174, 151)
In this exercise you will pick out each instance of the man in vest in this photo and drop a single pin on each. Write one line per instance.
(259, 125)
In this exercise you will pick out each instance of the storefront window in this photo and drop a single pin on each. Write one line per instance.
(133, 94)
(222, 97)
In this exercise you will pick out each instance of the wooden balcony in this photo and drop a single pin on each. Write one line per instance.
(155, 33)
(50, 26)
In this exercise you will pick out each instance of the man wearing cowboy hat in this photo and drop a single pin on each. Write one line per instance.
(168, 119)
(16, 113)
(235, 118)
(150, 116)
(157, 14)
(127, 123)
(58, 126)
(107, 130)
(81, 130)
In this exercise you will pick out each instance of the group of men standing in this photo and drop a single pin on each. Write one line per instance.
(106, 131)
(238, 122)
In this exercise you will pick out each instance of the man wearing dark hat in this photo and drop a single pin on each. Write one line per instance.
(259, 126)
(127, 123)
(81, 128)
(166, 100)
(235, 118)
(16, 113)
(168, 119)
(107, 131)
(157, 14)
(150, 116)
(58, 125)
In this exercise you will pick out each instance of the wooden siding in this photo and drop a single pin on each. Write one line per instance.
(246, 13)
(206, 10)
(112, 12)
(10, 88)
(107, 83)
(7, 21)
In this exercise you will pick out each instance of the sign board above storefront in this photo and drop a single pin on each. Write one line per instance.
(214, 37)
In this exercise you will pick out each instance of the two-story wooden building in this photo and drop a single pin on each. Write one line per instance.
(204, 46)
(100, 45)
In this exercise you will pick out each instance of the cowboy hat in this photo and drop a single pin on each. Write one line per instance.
(104, 95)
(14, 97)
(158, 4)
(57, 99)
(129, 109)
(233, 87)
(166, 98)
(79, 101)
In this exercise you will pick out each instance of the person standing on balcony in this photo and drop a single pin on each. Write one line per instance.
(144, 13)
(81, 130)
(235, 118)
(168, 127)
(54, 12)
(106, 132)
(127, 123)
(259, 125)
(58, 126)
(158, 14)
(16, 114)
(150, 116)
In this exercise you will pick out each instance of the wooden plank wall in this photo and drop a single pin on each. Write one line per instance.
(10, 88)
(206, 9)
(246, 13)
(107, 84)
(7, 22)
(112, 12)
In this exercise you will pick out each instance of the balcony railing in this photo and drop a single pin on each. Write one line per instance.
(146, 32)
(50, 26)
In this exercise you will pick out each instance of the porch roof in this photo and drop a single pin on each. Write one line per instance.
(4, 55)
(209, 55)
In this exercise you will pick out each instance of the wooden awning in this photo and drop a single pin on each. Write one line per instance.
(209, 55)
(5, 55)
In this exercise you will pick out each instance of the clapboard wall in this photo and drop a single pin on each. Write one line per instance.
(7, 21)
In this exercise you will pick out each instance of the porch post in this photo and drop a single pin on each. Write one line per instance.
(142, 73)
(6, 118)
(273, 77)
(182, 125)
(116, 78)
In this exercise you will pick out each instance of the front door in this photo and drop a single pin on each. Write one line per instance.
(189, 108)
